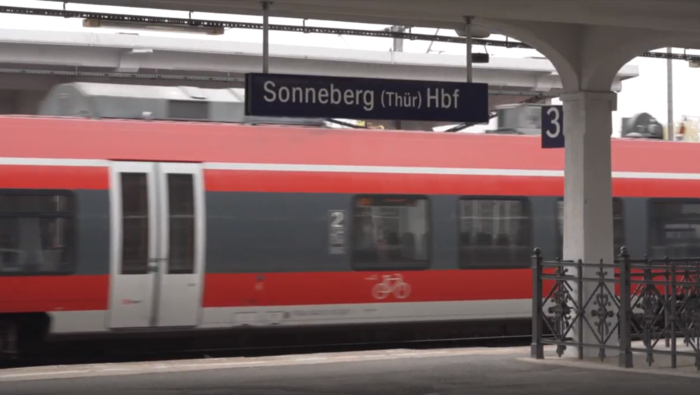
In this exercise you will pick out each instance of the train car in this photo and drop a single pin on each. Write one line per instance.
(135, 228)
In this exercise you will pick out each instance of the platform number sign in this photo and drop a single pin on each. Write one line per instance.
(336, 232)
(552, 126)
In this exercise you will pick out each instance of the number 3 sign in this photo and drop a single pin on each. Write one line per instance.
(552, 126)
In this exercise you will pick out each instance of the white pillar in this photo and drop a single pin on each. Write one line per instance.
(588, 221)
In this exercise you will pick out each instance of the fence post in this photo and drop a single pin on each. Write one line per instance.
(625, 357)
(674, 292)
(667, 299)
(537, 348)
(580, 303)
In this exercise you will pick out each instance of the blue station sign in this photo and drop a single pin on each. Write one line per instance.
(305, 96)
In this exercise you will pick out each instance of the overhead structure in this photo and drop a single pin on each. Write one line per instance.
(444, 13)
(192, 25)
(183, 103)
(116, 24)
(34, 61)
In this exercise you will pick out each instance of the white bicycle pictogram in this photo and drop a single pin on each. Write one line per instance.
(391, 285)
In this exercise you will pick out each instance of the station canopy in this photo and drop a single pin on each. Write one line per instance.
(659, 14)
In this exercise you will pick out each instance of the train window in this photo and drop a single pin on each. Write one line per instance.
(181, 223)
(391, 233)
(674, 229)
(494, 232)
(37, 232)
(135, 223)
(618, 227)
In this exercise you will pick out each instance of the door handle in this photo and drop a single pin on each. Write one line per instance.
(153, 264)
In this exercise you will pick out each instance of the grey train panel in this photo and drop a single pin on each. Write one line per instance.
(444, 231)
(544, 225)
(636, 219)
(288, 232)
(256, 232)
(251, 232)
(92, 232)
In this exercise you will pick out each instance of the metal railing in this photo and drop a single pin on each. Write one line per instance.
(643, 299)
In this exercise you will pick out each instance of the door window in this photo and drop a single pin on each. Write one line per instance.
(135, 229)
(181, 223)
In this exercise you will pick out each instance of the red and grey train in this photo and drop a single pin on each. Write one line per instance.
(135, 228)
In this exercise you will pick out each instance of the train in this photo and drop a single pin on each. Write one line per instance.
(138, 228)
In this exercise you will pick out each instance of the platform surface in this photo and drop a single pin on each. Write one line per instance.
(472, 371)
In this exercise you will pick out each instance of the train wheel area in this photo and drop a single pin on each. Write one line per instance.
(22, 335)
(24, 341)
(257, 341)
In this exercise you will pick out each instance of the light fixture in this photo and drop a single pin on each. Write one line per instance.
(477, 32)
(113, 24)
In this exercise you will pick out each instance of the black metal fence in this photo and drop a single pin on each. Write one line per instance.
(644, 299)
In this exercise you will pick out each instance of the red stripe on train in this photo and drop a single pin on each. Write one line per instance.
(28, 137)
(305, 182)
(97, 178)
(283, 289)
(53, 293)
(81, 293)
(207, 142)
(53, 177)
(76, 293)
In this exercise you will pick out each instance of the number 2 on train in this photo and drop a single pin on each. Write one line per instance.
(337, 219)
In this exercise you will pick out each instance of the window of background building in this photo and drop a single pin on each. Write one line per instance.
(674, 229)
(36, 232)
(391, 233)
(494, 232)
(618, 227)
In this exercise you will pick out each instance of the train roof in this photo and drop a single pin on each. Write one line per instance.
(176, 103)
(98, 140)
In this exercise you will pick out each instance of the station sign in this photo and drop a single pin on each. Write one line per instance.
(285, 95)
(553, 127)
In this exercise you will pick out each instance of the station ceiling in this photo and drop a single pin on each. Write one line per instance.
(677, 15)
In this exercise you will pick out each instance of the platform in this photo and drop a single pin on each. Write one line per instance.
(474, 371)
(660, 363)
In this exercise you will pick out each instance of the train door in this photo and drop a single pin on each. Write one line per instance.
(181, 247)
(157, 244)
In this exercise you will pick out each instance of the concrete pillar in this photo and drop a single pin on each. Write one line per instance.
(588, 222)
